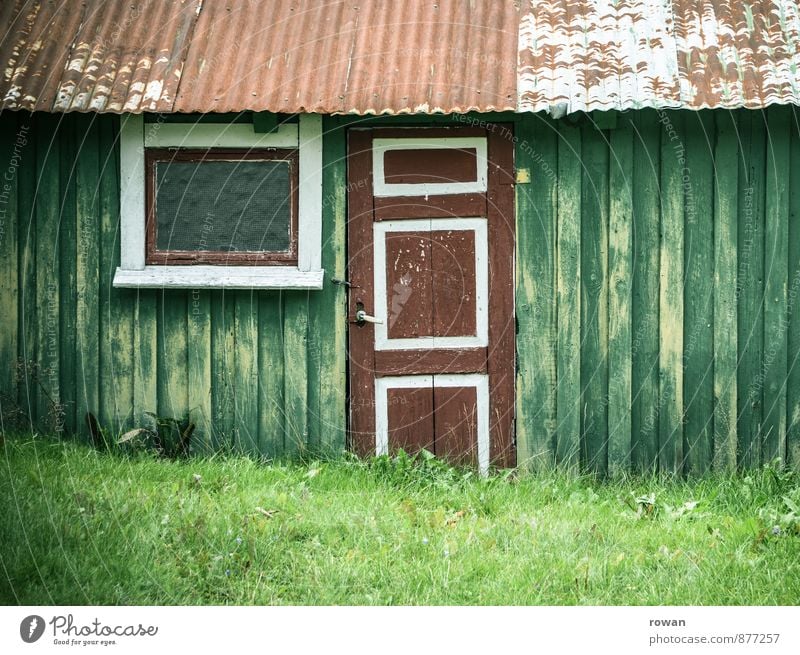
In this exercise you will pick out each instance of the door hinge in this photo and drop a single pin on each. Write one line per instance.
(344, 283)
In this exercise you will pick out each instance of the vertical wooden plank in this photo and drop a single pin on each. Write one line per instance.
(698, 295)
(620, 285)
(27, 342)
(793, 385)
(416, 318)
(670, 415)
(117, 306)
(726, 246)
(502, 227)
(145, 321)
(327, 328)
(594, 302)
(132, 183)
(751, 268)
(222, 361)
(172, 360)
(309, 247)
(12, 150)
(776, 261)
(87, 175)
(316, 374)
(48, 205)
(271, 367)
(360, 264)
(71, 129)
(145, 388)
(452, 264)
(455, 424)
(410, 419)
(295, 338)
(198, 332)
(536, 293)
(569, 298)
(645, 314)
(246, 371)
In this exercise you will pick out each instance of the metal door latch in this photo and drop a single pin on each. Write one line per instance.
(363, 317)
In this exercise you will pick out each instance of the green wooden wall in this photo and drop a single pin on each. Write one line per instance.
(658, 291)
(658, 278)
(262, 372)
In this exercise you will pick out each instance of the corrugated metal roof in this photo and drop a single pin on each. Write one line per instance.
(94, 56)
(620, 54)
(733, 53)
(422, 56)
(282, 55)
(362, 57)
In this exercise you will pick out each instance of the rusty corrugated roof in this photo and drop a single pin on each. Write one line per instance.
(282, 55)
(115, 56)
(421, 56)
(622, 54)
(362, 57)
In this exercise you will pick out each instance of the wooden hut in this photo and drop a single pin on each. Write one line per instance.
(513, 233)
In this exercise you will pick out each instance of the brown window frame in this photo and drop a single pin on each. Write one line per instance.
(219, 257)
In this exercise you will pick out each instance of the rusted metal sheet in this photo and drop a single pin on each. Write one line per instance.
(580, 55)
(733, 53)
(415, 56)
(360, 57)
(94, 56)
(283, 55)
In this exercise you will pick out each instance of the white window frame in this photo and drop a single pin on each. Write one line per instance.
(136, 135)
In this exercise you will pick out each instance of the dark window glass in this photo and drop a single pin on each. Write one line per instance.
(223, 206)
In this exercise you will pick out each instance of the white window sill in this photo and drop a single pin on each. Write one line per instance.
(218, 277)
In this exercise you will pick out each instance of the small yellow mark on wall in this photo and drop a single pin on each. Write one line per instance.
(523, 175)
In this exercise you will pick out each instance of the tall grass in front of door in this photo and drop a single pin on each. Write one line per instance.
(84, 527)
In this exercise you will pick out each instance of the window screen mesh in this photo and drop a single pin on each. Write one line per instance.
(228, 206)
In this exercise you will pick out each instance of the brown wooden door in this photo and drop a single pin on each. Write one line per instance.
(431, 258)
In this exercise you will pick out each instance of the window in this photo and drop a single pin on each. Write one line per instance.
(219, 205)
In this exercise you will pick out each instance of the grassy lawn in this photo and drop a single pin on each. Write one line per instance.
(82, 527)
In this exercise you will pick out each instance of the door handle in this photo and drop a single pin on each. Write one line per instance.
(363, 317)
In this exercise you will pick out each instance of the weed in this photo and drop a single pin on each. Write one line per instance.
(168, 437)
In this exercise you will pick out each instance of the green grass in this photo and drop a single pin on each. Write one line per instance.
(82, 527)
